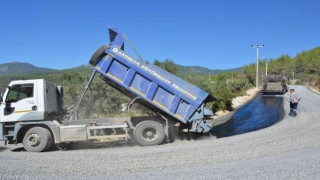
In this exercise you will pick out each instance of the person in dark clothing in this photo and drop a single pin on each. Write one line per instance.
(294, 99)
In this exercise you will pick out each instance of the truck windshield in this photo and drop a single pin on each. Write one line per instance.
(18, 92)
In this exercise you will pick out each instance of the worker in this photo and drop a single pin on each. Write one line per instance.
(294, 99)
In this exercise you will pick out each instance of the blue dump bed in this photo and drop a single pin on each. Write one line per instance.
(154, 87)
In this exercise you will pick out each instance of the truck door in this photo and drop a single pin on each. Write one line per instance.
(20, 103)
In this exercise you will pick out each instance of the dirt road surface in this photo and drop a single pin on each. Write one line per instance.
(289, 149)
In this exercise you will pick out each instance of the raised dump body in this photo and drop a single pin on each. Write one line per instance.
(153, 87)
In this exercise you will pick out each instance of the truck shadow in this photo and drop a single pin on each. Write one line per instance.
(3, 148)
(187, 136)
(183, 136)
(76, 146)
(90, 145)
(19, 149)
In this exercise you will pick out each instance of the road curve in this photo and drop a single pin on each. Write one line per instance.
(289, 149)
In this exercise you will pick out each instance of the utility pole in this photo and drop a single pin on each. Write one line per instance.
(257, 70)
(266, 67)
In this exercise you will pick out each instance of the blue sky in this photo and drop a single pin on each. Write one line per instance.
(215, 34)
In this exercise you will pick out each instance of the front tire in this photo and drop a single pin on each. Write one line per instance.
(149, 133)
(37, 139)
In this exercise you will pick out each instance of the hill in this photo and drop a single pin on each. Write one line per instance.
(183, 70)
(16, 68)
(21, 68)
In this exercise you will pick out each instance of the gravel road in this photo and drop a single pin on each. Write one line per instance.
(289, 149)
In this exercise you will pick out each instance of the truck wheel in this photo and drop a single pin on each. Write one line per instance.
(98, 55)
(37, 139)
(148, 133)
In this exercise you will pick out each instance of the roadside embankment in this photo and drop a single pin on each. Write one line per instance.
(313, 89)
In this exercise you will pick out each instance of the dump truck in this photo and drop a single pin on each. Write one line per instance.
(274, 84)
(32, 111)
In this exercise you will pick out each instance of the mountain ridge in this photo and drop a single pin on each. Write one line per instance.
(26, 68)
(203, 70)
(21, 68)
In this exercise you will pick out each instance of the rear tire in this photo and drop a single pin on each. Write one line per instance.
(149, 133)
(37, 139)
(98, 55)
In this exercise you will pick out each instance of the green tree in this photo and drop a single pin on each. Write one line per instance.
(167, 65)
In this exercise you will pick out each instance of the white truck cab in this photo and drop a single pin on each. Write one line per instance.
(29, 100)
(31, 113)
